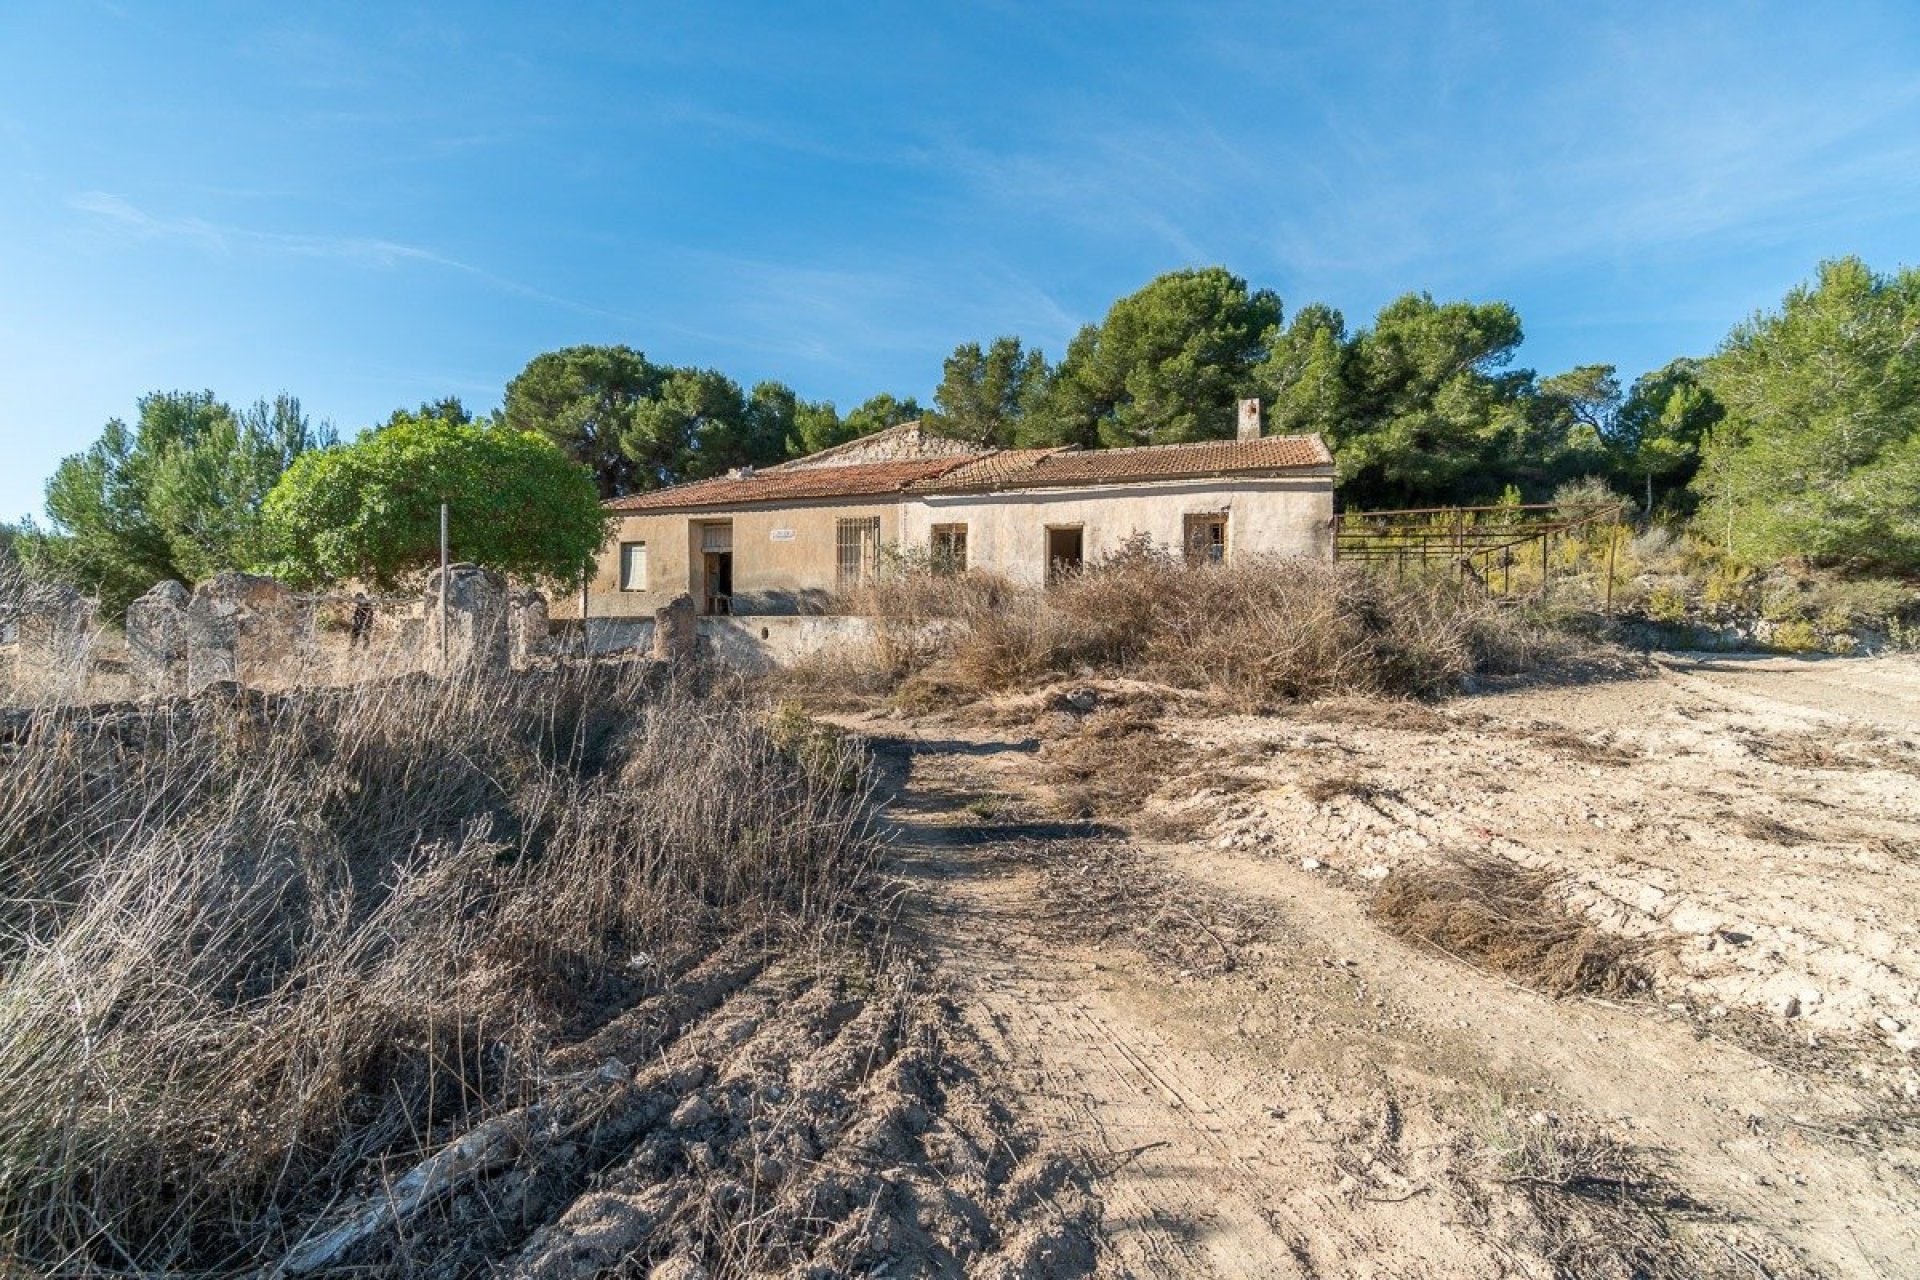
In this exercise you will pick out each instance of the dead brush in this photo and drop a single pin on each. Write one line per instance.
(1596, 1208)
(1252, 634)
(1337, 786)
(1112, 765)
(1503, 917)
(1570, 744)
(1106, 891)
(254, 947)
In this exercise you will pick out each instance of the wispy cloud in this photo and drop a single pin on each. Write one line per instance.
(125, 218)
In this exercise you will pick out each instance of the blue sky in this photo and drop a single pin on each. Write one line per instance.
(374, 204)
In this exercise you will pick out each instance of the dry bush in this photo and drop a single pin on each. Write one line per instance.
(1493, 913)
(1253, 634)
(1111, 766)
(1596, 1208)
(256, 945)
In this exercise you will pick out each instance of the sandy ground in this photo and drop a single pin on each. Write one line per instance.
(1189, 993)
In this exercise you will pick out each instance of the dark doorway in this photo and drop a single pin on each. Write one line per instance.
(718, 576)
(1064, 551)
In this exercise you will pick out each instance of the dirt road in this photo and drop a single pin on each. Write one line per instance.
(1263, 1080)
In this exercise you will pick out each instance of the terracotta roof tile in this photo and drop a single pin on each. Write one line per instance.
(1042, 468)
(1006, 469)
(874, 479)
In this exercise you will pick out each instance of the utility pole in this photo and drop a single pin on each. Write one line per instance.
(443, 587)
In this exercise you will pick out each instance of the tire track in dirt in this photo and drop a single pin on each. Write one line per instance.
(1180, 1138)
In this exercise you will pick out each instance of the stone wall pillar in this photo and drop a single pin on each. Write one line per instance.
(53, 641)
(477, 610)
(157, 641)
(247, 629)
(676, 629)
(530, 627)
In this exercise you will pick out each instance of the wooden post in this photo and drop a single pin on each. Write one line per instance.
(443, 586)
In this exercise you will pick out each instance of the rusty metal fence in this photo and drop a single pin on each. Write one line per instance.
(1482, 545)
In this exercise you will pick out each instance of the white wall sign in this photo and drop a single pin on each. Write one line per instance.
(781, 535)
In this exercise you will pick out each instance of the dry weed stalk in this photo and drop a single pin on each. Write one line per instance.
(252, 943)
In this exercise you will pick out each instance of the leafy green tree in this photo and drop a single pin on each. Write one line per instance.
(818, 425)
(1306, 378)
(697, 425)
(585, 400)
(1563, 431)
(370, 510)
(877, 413)
(1165, 366)
(1818, 454)
(1657, 434)
(985, 395)
(178, 495)
(1433, 409)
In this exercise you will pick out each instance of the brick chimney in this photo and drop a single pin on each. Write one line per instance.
(1249, 420)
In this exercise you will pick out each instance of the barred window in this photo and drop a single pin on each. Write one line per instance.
(949, 549)
(857, 545)
(633, 566)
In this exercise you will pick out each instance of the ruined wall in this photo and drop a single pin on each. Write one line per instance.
(475, 628)
(252, 630)
(157, 641)
(54, 634)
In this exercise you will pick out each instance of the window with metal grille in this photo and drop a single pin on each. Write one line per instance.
(857, 545)
(633, 566)
(949, 549)
(1206, 538)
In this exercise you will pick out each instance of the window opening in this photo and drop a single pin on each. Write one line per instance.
(857, 547)
(633, 566)
(1206, 538)
(949, 549)
(1065, 551)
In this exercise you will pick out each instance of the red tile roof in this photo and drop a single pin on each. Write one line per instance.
(869, 480)
(1005, 469)
(1043, 468)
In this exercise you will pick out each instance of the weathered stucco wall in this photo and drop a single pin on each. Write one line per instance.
(784, 557)
(1007, 532)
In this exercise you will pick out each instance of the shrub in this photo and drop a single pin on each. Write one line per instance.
(251, 944)
(1667, 604)
(1256, 631)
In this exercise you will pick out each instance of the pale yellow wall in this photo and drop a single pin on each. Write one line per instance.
(1006, 532)
(791, 573)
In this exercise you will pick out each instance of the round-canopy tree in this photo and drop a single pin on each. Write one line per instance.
(371, 509)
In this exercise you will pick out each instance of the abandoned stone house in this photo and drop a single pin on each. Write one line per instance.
(784, 539)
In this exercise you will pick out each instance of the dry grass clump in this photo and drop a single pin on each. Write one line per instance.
(1254, 633)
(1601, 748)
(1596, 1208)
(1335, 786)
(1495, 914)
(255, 946)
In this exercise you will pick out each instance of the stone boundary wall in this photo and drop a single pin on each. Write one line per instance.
(255, 631)
(750, 643)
